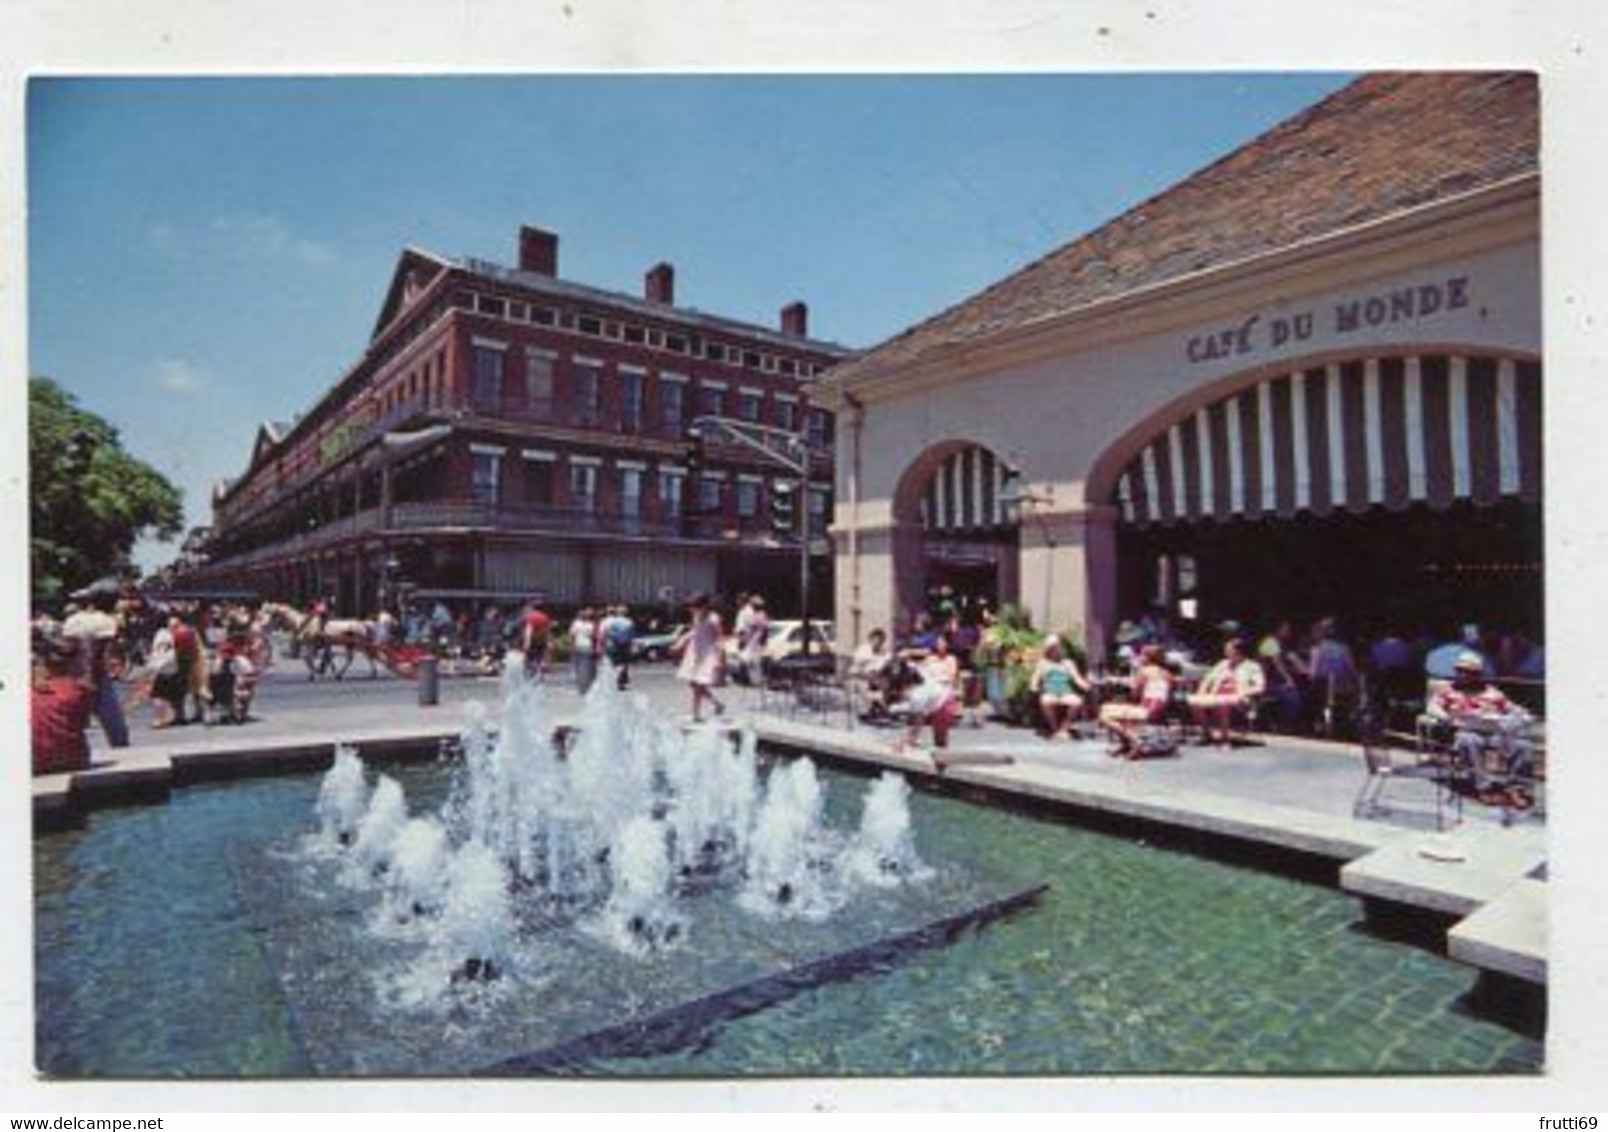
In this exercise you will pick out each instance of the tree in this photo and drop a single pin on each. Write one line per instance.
(89, 500)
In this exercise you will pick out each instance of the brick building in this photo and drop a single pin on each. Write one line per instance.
(508, 432)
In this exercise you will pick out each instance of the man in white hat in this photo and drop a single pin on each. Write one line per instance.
(98, 628)
(1487, 733)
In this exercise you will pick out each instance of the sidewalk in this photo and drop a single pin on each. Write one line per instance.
(1284, 794)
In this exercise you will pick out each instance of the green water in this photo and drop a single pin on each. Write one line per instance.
(1138, 960)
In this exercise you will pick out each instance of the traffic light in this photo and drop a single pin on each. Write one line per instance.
(694, 457)
(694, 453)
(783, 507)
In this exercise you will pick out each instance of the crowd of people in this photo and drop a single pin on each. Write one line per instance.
(111, 654)
(1312, 680)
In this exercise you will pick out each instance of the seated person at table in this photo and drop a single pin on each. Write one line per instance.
(1486, 733)
(1231, 684)
(1151, 689)
(1056, 681)
(927, 693)
(870, 667)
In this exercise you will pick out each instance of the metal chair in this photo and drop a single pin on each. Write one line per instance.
(1391, 757)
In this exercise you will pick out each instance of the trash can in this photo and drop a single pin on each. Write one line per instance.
(429, 681)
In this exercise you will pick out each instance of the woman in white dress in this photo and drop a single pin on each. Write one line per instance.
(703, 664)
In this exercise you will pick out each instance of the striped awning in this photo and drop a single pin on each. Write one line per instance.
(963, 494)
(1378, 432)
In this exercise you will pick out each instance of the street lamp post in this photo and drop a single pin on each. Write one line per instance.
(1015, 498)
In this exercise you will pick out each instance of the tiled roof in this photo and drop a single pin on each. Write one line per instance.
(1381, 145)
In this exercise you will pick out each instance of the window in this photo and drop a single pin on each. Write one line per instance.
(708, 495)
(750, 359)
(630, 492)
(712, 400)
(672, 406)
(583, 487)
(635, 335)
(485, 304)
(749, 404)
(820, 504)
(631, 402)
(586, 324)
(539, 384)
(787, 415)
(747, 499)
(488, 363)
(539, 482)
(485, 477)
(820, 428)
(675, 343)
(714, 351)
(670, 492)
(587, 395)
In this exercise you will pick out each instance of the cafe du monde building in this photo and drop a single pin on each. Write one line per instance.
(1305, 381)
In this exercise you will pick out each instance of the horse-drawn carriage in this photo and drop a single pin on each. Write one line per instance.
(329, 645)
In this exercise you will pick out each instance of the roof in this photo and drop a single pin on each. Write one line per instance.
(662, 312)
(1384, 144)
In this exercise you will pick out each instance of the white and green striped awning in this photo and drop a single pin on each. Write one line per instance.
(1379, 432)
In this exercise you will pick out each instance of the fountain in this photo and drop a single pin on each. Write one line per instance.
(672, 864)
(586, 888)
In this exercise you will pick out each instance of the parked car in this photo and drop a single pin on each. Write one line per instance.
(786, 639)
(655, 645)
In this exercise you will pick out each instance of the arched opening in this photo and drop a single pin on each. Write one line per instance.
(1401, 491)
(961, 545)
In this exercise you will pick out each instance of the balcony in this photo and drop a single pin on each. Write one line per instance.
(515, 518)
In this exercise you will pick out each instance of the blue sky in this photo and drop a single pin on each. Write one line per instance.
(206, 254)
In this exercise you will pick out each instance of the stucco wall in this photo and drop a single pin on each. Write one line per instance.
(1054, 417)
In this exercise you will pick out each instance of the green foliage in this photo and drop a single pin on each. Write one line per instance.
(89, 500)
(1014, 646)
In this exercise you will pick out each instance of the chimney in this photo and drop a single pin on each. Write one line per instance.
(659, 286)
(538, 251)
(796, 320)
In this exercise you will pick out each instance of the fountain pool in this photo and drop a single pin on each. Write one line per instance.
(325, 925)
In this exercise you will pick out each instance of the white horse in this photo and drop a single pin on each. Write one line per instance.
(320, 637)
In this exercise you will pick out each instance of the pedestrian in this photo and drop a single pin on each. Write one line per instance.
(61, 702)
(703, 660)
(619, 631)
(753, 633)
(192, 655)
(585, 644)
(97, 629)
(169, 683)
(534, 637)
(928, 694)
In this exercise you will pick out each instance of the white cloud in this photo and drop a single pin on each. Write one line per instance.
(252, 236)
(175, 375)
(271, 237)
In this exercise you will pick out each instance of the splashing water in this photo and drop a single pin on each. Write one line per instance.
(377, 833)
(884, 851)
(342, 799)
(606, 818)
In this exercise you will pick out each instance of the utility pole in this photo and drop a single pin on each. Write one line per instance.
(789, 450)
